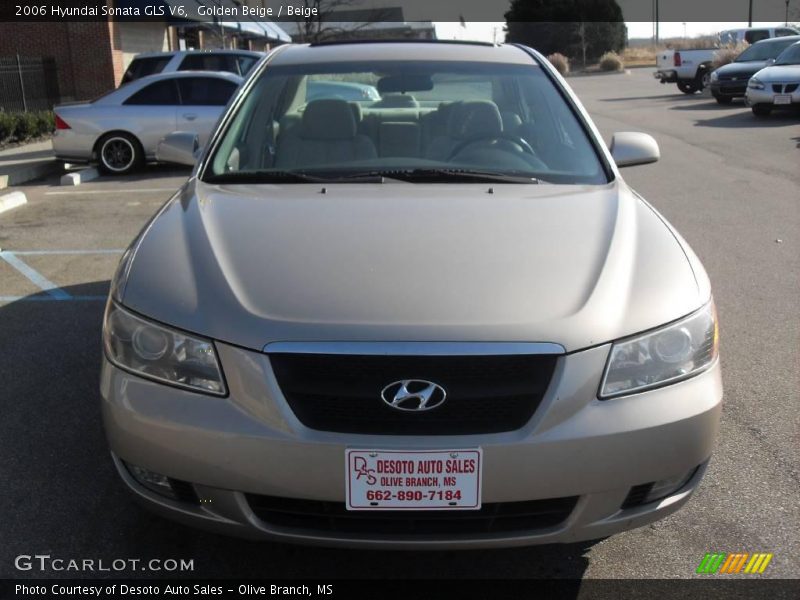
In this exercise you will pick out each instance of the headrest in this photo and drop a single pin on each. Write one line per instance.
(473, 119)
(397, 101)
(328, 119)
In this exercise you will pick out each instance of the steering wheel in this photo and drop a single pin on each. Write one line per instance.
(519, 141)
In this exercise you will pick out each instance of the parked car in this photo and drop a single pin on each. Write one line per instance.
(730, 81)
(121, 129)
(392, 336)
(776, 86)
(356, 92)
(751, 35)
(690, 69)
(238, 62)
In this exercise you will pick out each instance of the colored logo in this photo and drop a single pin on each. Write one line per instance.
(734, 563)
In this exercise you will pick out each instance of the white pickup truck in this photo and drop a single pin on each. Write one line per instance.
(690, 69)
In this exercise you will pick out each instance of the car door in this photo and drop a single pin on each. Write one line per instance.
(202, 102)
(149, 113)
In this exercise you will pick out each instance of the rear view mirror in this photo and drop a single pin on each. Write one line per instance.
(181, 147)
(629, 148)
(399, 84)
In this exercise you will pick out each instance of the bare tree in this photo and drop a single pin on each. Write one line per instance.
(322, 23)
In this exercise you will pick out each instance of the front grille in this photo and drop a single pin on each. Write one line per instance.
(733, 89)
(342, 393)
(780, 88)
(333, 517)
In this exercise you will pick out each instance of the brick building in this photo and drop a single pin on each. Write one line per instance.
(89, 57)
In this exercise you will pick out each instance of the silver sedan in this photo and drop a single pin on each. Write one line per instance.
(448, 325)
(121, 129)
(777, 86)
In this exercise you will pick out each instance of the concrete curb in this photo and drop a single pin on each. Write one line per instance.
(12, 200)
(26, 173)
(79, 177)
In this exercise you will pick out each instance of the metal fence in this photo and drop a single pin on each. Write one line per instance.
(28, 83)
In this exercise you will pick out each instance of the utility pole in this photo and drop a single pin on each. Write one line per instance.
(750, 15)
(656, 11)
(786, 21)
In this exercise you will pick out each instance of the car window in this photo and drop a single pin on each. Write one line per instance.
(205, 91)
(142, 67)
(756, 35)
(784, 32)
(160, 93)
(764, 51)
(790, 56)
(501, 119)
(245, 64)
(210, 62)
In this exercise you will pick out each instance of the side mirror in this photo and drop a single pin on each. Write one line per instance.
(629, 148)
(770, 61)
(181, 147)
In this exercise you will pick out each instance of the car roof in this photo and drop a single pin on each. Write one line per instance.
(439, 50)
(778, 40)
(209, 51)
(182, 74)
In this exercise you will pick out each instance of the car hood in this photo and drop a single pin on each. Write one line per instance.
(254, 264)
(741, 70)
(782, 73)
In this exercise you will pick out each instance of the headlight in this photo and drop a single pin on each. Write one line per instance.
(667, 355)
(161, 353)
(755, 84)
(714, 76)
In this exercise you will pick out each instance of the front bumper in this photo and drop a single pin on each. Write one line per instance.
(251, 443)
(767, 96)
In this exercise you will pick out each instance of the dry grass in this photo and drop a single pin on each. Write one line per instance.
(643, 56)
(611, 61)
(560, 62)
(727, 54)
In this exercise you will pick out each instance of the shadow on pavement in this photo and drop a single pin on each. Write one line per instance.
(149, 173)
(746, 119)
(67, 501)
(665, 97)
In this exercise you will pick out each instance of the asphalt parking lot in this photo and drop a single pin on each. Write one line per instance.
(729, 182)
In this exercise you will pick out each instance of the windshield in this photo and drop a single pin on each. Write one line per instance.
(416, 121)
(764, 51)
(790, 56)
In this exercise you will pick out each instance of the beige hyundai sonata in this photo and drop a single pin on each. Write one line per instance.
(438, 319)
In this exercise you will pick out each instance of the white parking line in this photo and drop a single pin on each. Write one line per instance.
(8, 299)
(46, 252)
(86, 192)
(35, 277)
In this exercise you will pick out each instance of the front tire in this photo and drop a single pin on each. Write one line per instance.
(119, 154)
(687, 87)
(761, 110)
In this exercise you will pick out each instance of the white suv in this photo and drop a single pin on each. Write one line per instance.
(238, 62)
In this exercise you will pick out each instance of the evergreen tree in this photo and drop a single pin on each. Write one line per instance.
(576, 28)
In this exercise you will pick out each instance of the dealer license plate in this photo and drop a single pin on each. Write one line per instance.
(413, 480)
(783, 99)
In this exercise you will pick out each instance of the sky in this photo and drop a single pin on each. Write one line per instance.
(489, 32)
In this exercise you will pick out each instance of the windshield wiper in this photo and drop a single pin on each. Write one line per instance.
(460, 175)
(269, 176)
(265, 176)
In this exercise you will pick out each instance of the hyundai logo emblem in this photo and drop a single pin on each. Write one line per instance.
(413, 395)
